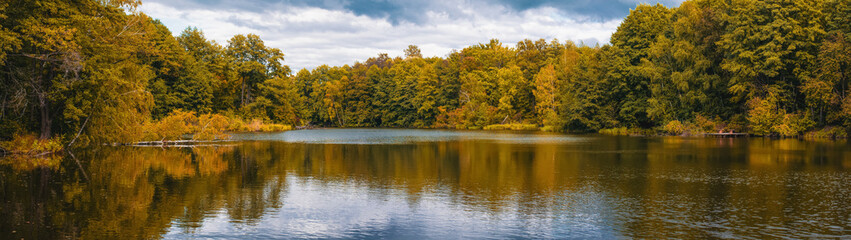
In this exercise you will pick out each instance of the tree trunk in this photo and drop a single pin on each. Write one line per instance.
(44, 108)
(242, 94)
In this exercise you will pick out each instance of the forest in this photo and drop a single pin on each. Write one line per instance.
(100, 71)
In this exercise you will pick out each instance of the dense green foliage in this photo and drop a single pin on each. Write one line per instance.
(769, 67)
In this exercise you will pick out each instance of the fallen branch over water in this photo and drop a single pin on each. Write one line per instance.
(177, 143)
(186, 145)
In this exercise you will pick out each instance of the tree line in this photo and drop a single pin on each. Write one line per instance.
(103, 70)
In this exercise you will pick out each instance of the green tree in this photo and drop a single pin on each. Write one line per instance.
(509, 82)
(325, 112)
(333, 101)
(357, 100)
(587, 103)
(771, 47)
(631, 42)
(181, 82)
(682, 69)
(425, 99)
(213, 68)
(828, 90)
(280, 101)
(9, 41)
(254, 64)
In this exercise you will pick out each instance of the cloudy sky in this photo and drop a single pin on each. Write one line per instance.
(337, 32)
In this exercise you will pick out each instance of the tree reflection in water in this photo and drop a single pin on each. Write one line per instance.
(605, 187)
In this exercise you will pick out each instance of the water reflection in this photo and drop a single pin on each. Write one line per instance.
(406, 136)
(600, 187)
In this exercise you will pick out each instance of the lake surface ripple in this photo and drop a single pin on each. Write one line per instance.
(435, 184)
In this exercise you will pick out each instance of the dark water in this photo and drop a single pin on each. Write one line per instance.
(414, 184)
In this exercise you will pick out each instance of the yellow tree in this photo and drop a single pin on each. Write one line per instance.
(9, 41)
(333, 100)
(425, 97)
(545, 89)
(509, 82)
(77, 63)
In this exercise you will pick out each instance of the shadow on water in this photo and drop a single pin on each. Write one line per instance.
(435, 184)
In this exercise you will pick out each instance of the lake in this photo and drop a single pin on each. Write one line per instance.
(435, 184)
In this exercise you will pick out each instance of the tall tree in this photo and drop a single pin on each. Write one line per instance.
(181, 82)
(73, 62)
(425, 99)
(213, 68)
(632, 41)
(9, 41)
(413, 52)
(254, 64)
(771, 49)
(683, 75)
(280, 101)
(545, 93)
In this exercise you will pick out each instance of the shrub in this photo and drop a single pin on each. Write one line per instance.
(621, 131)
(512, 126)
(763, 117)
(792, 125)
(273, 127)
(173, 126)
(737, 123)
(448, 119)
(827, 132)
(705, 125)
(212, 127)
(549, 129)
(29, 144)
(674, 128)
(237, 125)
(766, 117)
(255, 125)
(496, 127)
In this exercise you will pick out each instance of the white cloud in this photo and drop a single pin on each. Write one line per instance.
(311, 36)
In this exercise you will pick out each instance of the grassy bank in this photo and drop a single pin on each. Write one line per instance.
(512, 126)
(676, 128)
(187, 125)
(178, 125)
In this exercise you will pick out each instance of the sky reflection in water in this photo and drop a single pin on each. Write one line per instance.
(414, 184)
(406, 136)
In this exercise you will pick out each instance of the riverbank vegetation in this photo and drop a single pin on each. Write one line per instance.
(101, 71)
(182, 125)
(30, 145)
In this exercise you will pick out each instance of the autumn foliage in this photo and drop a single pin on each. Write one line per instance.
(101, 72)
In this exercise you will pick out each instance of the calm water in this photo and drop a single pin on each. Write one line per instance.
(413, 184)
